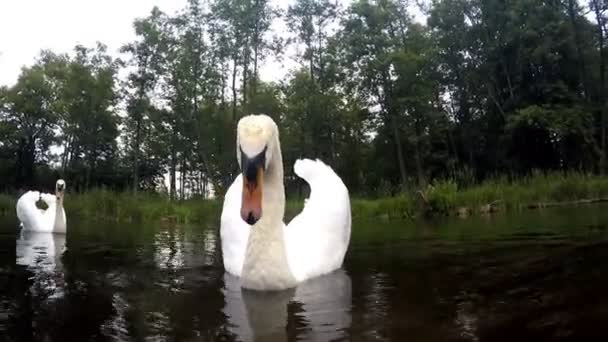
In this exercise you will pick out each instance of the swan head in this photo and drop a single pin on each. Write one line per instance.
(60, 188)
(255, 140)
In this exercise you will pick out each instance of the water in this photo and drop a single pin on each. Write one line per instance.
(536, 275)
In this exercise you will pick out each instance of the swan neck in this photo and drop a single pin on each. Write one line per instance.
(266, 266)
(59, 224)
(273, 200)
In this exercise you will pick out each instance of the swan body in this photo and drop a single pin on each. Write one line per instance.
(257, 246)
(51, 220)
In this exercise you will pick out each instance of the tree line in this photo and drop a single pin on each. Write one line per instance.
(484, 88)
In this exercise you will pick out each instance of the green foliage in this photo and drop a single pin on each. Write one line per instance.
(485, 88)
(7, 204)
(140, 207)
(537, 189)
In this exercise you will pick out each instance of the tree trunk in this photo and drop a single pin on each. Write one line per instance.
(254, 80)
(597, 7)
(256, 43)
(234, 70)
(389, 111)
(136, 154)
(182, 181)
(245, 75)
(173, 165)
(572, 5)
(399, 148)
(223, 90)
(419, 168)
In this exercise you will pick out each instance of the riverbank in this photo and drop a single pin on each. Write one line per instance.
(439, 198)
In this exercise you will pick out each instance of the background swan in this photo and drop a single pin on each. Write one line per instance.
(52, 220)
(256, 244)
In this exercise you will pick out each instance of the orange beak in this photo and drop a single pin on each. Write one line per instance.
(251, 204)
(253, 176)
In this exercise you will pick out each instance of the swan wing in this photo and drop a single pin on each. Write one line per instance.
(29, 215)
(317, 238)
(48, 198)
(234, 232)
(48, 215)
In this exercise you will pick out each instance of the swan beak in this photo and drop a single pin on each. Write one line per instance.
(253, 176)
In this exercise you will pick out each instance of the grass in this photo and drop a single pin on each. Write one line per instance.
(539, 189)
(441, 197)
(7, 204)
(141, 207)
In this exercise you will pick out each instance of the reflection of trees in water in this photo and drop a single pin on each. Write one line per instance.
(405, 296)
(466, 320)
(180, 297)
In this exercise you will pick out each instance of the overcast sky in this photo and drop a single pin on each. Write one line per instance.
(28, 26)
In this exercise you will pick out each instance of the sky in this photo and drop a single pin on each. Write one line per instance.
(29, 26)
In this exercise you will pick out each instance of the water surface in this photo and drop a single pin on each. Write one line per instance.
(535, 275)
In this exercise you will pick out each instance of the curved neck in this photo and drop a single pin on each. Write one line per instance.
(265, 266)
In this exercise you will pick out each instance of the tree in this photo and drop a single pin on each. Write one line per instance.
(372, 33)
(29, 108)
(146, 57)
(90, 125)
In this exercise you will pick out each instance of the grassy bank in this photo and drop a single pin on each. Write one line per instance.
(535, 191)
(499, 194)
(439, 198)
(142, 207)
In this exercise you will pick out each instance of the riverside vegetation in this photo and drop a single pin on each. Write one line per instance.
(439, 198)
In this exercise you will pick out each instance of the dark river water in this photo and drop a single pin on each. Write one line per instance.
(529, 276)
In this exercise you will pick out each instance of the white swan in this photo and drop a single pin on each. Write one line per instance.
(51, 220)
(256, 244)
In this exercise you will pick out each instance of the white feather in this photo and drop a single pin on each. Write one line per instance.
(234, 232)
(317, 239)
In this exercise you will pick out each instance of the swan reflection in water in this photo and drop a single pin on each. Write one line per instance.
(41, 254)
(318, 309)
